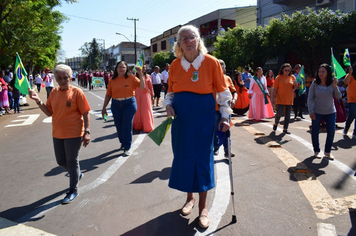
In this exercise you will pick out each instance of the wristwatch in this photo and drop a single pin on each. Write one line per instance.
(87, 130)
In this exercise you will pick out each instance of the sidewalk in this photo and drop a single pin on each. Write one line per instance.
(9, 228)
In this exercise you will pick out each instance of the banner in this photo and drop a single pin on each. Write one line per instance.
(21, 82)
(97, 81)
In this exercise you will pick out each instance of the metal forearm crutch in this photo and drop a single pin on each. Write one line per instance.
(234, 220)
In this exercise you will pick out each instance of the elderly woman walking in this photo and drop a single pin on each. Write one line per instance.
(69, 109)
(193, 77)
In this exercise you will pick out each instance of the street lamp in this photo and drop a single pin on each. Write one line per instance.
(124, 36)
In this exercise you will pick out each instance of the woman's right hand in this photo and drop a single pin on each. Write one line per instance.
(170, 111)
(312, 116)
(33, 95)
(103, 113)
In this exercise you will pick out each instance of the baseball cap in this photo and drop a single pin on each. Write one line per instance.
(297, 66)
(47, 69)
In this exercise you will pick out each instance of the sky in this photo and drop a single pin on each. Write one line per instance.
(102, 19)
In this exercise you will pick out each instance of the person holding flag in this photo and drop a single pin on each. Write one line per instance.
(321, 107)
(299, 99)
(283, 94)
(350, 81)
(69, 109)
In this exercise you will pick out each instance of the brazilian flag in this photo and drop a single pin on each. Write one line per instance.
(301, 80)
(140, 62)
(158, 134)
(336, 68)
(346, 59)
(21, 82)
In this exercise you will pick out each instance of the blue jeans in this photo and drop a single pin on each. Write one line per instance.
(216, 138)
(123, 113)
(330, 121)
(350, 118)
(16, 104)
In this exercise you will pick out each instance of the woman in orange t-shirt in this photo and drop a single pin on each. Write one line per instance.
(69, 109)
(193, 77)
(121, 89)
(283, 95)
(350, 81)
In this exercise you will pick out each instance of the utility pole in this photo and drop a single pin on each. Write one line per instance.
(134, 19)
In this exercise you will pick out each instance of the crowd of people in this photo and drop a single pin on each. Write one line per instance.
(200, 97)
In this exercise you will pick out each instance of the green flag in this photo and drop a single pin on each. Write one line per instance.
(21, 82)
(301, 81)
(140, 62)
(158, 134)
(336, 68)
(347, 61)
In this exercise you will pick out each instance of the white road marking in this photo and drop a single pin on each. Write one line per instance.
(222, 194)
(326, 229)
(27, 121)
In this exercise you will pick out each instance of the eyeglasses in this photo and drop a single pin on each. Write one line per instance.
(188, 38)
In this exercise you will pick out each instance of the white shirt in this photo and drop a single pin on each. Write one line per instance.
(156, 78)
(49, 80)
(38, 79)
(164, 75)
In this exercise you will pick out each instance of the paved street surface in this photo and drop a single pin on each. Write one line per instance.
(280, 188)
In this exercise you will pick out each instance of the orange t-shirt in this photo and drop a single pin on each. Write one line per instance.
(351, 90)
(208, 77)
(284, 86)
(68, 108)
(122, 87)
(231, 86)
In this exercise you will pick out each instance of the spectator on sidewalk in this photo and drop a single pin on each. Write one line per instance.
(157, 84)
(48, 79)
(246, 77)
(299, 100)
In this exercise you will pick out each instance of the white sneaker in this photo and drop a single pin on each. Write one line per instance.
(127, 152)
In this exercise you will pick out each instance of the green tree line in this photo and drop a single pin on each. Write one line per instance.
(309, 36)
(32, 28)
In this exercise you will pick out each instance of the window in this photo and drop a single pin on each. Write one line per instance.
(346, 5)
(163, 45)
(154, 48)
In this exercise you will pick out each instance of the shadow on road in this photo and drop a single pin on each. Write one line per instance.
(20, 214)
(171, 223)
(150, 176)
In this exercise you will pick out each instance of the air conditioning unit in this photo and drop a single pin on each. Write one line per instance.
(322, 2)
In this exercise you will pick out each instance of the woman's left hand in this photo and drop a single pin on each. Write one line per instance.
(335, 82)
(86, 139)
(223, 125)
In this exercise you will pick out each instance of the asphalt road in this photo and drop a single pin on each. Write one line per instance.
(280, 189)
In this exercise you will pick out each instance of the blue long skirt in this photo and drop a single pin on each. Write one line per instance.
(192, 142)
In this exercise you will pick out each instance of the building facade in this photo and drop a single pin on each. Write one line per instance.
(75, 63)
(210, 25)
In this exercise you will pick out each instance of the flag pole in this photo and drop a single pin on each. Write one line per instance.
(333, 62)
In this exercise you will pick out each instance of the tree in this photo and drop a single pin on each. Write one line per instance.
(161, 58)
(240, 47)
(92, 54)
(32, 29)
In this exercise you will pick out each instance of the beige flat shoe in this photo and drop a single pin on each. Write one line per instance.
(204, 221)
(317, 155)
(187, 208)
(329, 156)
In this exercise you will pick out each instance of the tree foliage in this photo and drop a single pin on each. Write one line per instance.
(161, 58)
(92, 53)
(32, 29)
(310, 36)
